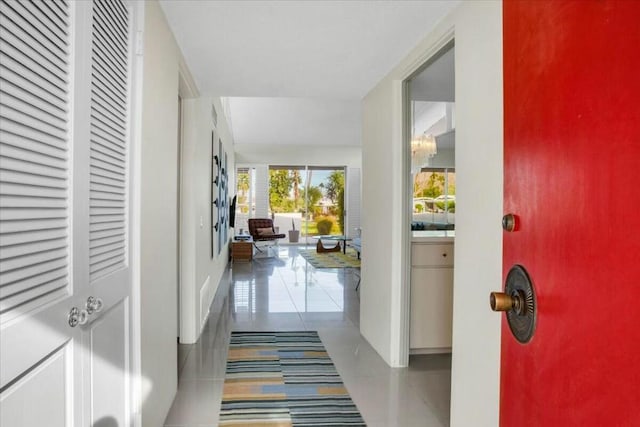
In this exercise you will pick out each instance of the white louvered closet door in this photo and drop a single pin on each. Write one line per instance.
(65, 85)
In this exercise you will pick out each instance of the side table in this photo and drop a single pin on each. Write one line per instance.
(242, 250)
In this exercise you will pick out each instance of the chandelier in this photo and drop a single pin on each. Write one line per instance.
(423, 148)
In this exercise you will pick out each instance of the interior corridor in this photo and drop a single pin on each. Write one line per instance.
(285, 293)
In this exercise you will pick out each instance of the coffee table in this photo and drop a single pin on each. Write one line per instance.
(343, 239)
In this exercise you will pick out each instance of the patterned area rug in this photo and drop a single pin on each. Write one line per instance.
(331, 259)
(283, 379)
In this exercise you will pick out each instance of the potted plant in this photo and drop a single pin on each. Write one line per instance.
(294, 234)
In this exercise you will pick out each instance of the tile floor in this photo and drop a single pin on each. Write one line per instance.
(285, 293)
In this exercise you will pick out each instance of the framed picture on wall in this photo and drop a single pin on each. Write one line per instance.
(214, 193)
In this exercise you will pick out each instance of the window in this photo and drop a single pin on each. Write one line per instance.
(434, 199)
(311, 198)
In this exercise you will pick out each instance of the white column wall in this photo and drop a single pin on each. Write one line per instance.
(200, 273)
(158, 217)
(477, 27)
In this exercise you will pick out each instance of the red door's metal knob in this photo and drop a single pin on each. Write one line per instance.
(510, 222)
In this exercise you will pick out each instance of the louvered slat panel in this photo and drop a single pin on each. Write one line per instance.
(16, 288)
(43, 290)
(108, 218)
(21, 51)
(28, 135)
(107, 225)
(108, 258)
(28, 152)
(115, 184)
(23, 107)
(55, 14)
(11, 227)
(109, 140)
(30, 75)
(28, 248)
(45, 23)
(105, 162)
(107, 150)
(101, 203)
(27, 179)
(21, 201)
(21, 214)
(27, 120)
(11, 141)
(33, 259)
(33, 30)
(33, 270)
(108, 49)
(101, 135)
(106, 188)
(34, 123)
(99, 196)
(117, 26)
(59, 8)
(97, 211)
(98, 250)
(262, 192)
(109, 266)
(105, 241)
(34, 235)
(33, 168)
(110, 122)
(104, 95)
(35, 101)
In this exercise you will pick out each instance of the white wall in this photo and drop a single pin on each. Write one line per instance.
(200, 273)
(158, 217)
(285, 155)
(477, 27)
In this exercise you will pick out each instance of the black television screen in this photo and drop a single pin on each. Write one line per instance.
(232, 212)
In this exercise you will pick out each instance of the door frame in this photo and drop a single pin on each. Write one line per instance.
(402, 240)
(135, 175)
(442, 47)
(187, 333)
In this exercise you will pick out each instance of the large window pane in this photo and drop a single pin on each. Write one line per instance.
(307, 200)
(246, 202)
(434, 199)
(286, 199)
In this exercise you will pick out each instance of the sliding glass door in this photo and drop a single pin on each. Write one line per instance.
(307, 201)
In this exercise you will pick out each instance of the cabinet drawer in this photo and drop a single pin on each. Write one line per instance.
(431, 308)
(431, 255)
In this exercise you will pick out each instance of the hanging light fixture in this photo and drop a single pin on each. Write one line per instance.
(423, 147)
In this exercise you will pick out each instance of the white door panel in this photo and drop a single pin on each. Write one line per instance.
(109, 366)
(65, 139)
(48, 384)
(30, 338)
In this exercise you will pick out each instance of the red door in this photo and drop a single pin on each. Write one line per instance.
(572, 176)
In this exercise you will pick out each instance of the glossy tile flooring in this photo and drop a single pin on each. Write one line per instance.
(283, 293)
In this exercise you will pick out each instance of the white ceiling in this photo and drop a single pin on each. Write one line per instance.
(295, 121)
(333, 52)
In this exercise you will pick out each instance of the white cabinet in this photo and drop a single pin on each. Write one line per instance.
(431, 297)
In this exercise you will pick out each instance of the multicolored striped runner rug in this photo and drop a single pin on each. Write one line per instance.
(283, 379)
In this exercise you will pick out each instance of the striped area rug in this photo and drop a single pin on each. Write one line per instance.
(331, 259)
(283, 379)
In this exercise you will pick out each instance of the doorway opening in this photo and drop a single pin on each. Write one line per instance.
(429, 105)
